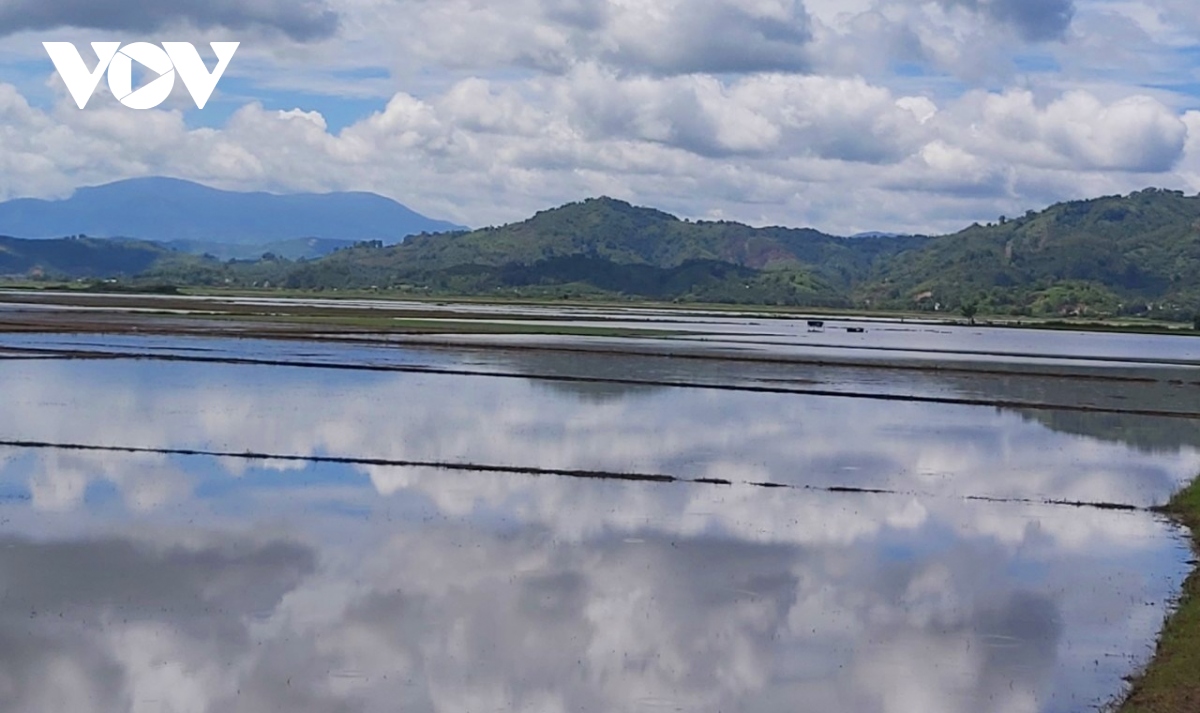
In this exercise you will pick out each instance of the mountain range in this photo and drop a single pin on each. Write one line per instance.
(1134, 254)
(168, 209)
(1137, 254)
(606, 246)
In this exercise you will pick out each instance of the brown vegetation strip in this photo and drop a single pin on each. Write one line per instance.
(522, 470)
(832, 393)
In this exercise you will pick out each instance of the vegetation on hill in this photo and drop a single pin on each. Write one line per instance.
(78, 256)
(605, 247)
(1117, 255)
(294, 249)
(1136, 254)
(625, 234)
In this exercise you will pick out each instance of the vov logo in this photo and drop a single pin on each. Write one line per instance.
(166, 61)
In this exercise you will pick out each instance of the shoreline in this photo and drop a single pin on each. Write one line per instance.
(1102, 324)
(511, 326)
(1170, 681)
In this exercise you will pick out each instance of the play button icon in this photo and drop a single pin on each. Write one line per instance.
(120, 75)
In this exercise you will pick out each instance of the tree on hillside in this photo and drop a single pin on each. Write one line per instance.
(969, 310)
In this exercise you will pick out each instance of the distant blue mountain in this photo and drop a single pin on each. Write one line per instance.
(168, 209)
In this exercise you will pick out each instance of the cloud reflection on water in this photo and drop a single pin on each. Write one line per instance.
(930, 449)
(227, 585)
(456, 614)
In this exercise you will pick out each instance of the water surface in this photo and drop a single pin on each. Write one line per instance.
(151, 580)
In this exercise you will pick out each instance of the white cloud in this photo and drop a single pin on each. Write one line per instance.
(1075, 132)
(298, 19)
(638, 36)
(562, 101)
(765, 148)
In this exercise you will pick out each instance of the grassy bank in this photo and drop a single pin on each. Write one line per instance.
(1171, 683)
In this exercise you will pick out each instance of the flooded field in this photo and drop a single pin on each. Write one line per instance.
(210, 524)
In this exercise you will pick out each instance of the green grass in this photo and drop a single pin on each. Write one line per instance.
(1171, 683)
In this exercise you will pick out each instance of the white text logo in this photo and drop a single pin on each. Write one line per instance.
(165, 61)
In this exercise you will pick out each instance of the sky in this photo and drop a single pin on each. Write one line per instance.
(842, 115)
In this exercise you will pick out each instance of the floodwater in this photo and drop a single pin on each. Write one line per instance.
(529, 531)
(731, 332)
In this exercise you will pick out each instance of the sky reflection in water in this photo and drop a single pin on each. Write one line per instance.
(151, 582)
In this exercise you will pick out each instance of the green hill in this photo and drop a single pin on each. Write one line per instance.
(1118, 255)
(608, 246)
(622, 233)
(1131, 254)
(77, 257)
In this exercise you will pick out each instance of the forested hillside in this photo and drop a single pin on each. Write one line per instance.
(78, 257)
(1116, 254)
(1128, 255)
(603, 245)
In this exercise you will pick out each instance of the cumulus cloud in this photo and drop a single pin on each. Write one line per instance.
(978, 42)
(1076, 131)
(1034, 20)
(715, 36)
(850, 115)
(806, 124)
(671, 37)
(764, 148)
(298, 19)
(634, 36)
(825, 117)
